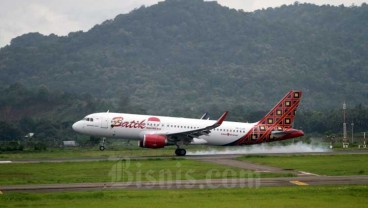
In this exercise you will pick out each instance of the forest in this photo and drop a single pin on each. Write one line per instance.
(187, 57)
(49, 115)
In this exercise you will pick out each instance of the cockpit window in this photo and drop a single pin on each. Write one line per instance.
(88, 119)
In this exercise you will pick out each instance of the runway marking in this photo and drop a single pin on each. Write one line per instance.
(5, 162)
(307, 173)
(299, 183)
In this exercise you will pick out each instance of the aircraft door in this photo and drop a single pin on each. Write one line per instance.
(104, 123)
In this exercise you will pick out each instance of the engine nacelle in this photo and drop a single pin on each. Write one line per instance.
(153, 141)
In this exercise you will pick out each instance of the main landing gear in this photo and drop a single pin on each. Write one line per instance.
(180, 152)
(102, 144)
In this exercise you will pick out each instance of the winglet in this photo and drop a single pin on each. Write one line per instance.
(205, 116)
(221, 119)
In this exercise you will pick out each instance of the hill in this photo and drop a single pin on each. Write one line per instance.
(48, 114)
(185, 57)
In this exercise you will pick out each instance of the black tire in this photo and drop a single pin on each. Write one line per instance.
(183, 152)
(102, 148)
(180, 152)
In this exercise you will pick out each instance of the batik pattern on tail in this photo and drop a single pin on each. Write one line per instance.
(279, 119)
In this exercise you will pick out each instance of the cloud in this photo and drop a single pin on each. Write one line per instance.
(34, 18)
(18, 17)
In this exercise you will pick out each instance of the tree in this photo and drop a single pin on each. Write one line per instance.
(8, 132)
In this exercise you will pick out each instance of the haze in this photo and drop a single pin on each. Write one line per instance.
(18, 17)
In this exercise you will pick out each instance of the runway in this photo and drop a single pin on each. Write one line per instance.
(193, 184)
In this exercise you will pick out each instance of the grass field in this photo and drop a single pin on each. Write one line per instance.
(338, 165)
(102, 171)
(86, 153)
(174, 169)
(94, 152)
(180, 168)
(119, 171)
(318, 196)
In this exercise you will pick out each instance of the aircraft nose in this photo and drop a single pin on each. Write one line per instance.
(77, 126)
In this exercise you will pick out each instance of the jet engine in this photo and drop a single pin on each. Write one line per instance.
(153, 141)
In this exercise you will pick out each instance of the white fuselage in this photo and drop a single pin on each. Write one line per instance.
(134, 127)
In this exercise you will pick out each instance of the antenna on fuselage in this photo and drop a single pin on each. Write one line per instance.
(108, 111)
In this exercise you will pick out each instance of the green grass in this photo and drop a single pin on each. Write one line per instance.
(317, 196)
(114, 171)
(120, 171)
(86, 153)
(338, 165)
(94, 152)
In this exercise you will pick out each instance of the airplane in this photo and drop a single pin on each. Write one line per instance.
(160, 131)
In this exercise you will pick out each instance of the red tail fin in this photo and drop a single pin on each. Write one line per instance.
(277, 124)
(282, 115)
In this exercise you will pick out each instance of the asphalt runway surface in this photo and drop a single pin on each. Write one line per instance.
(302, 179)
(193, 184)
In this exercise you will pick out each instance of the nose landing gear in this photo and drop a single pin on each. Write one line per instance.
(102, 144)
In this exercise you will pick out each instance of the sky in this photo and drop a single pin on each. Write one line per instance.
(60, 17)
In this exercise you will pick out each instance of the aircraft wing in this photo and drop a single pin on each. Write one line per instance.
(189, 135)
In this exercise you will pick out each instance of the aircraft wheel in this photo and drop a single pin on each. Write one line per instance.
(180, 152)
(102, 148)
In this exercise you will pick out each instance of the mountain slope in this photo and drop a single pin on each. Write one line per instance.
(195, 56)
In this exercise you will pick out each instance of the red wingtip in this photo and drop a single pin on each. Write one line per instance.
(222, 118)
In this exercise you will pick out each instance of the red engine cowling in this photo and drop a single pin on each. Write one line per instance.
(153, 141)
